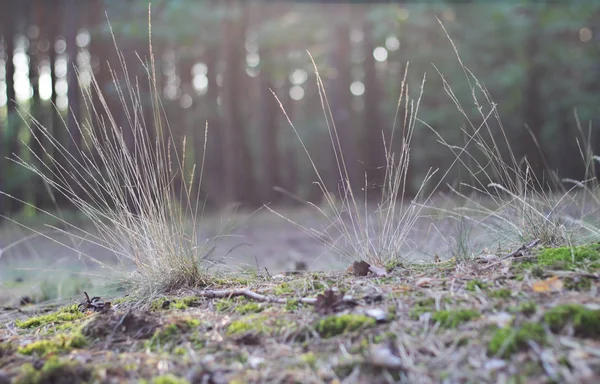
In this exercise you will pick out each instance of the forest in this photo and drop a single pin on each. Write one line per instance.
(221, 62)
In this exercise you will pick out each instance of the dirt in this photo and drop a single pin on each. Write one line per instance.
(529, 318)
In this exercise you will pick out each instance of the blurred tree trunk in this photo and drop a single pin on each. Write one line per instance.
(71, 12)
(11, 135)
(37, 139)
(533, 114)
(341, 103)
(269, 129)
(289, 180)
(373, 127)
(238, 162)
(215, 156)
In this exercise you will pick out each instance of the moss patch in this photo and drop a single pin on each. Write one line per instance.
(55, 370)
(66, 314)
(502, 293)
(170, 334)
(474, 284)
(174, 303)
(339, 324)
(59, 343)
(420, 307)
(454, 318)
(586, 322)
(583, 256)
(507, 341)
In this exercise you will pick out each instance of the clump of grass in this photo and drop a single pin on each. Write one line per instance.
(585, 322)
(334, 325)
(128, 180)
(507, 341)
(511, 203)
(356, 231)
(59, 343)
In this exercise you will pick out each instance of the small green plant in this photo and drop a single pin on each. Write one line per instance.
(334, 325)
(507, 341)
(454, 318)
(502, 293)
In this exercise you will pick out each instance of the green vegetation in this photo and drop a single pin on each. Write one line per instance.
(66, 314)
(422, 306)
(473, 285)
(174, 303)
(502, 293)
(166, 379)
(507, 341)
(54, 370)
(454, 318)
(250, 323)
(586, 322)
(58, 344)
(170, 334)
(570, 258)
(335, 325)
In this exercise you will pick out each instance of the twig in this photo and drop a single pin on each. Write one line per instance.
(211, 294)
(514, 253)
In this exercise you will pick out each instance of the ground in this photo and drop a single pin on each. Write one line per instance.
(532, 317)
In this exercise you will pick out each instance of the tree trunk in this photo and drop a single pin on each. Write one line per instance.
(238, 162)
(373, 127)
(341, 108)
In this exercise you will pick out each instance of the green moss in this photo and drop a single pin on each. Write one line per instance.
(502, 293)
(339, 324)
(165, 303)
(224, 305)
(282, 289)
(251, 323)
(249, 308)
(507, 341)
(583, 256)
(422, 306)
(170, 334)
(6, 349)
(292, 305)
(310, 359)
(578, 283)
(66, 314)
(452, 319)
(54, 371)
(527, 308)
(586, 322)
(472, 285)
(168, 379)
(59, 343)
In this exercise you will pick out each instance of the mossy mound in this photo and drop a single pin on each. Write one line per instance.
(585, 322)
(507, 341)
(334, 325)
(55, 370)
(58, 344)
(66, 314)
(452, 319)
(569, 258)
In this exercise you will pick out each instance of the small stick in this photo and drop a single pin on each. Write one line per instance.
(211, 294)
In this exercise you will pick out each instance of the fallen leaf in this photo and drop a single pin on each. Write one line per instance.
(551, 284)
(360, 268)
(424, 282)
(331, 302)
(378, 271)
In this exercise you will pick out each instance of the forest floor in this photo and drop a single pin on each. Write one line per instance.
(531, 315)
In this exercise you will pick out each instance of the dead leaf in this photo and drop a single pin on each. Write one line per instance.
(331, 302)
(377, 313)
(424, 282)
(378, 271)
(360, 268)
(551, 284)
(384, 356)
